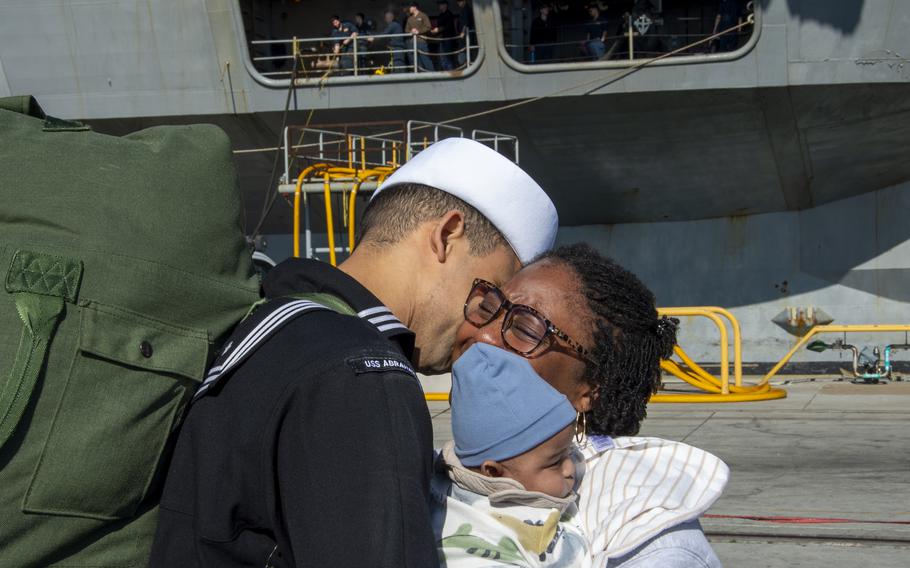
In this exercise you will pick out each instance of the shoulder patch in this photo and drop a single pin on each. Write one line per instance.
(380, 364)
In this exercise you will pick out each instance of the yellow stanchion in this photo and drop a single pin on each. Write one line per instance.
(329, 221)
(366, 175)
(715, 390)
(352, 203)
(298, 194)
(734, 325)
(330, 174)
(710, 313)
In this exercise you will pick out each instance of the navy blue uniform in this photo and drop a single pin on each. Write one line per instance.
(316, 450)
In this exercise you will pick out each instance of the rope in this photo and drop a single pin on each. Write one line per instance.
(272, 195)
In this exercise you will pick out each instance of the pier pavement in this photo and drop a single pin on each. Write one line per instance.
(830, 464)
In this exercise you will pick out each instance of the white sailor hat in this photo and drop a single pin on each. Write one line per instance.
(491, 183)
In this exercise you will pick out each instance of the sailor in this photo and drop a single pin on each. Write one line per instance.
(310, 443)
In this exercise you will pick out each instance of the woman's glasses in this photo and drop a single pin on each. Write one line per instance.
(524, 329)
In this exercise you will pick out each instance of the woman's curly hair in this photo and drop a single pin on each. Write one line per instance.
(629, 340)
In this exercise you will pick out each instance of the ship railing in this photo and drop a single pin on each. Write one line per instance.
(376, 144)
(633, 44)
(505, 144)
(344, 146)
(327, 54)
(420, 134)
(617, 48)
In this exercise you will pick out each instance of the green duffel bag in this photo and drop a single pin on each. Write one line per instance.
(122, 266)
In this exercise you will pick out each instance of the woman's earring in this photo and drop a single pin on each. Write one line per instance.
(581, 427)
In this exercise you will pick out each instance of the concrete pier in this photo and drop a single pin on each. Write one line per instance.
(831, 450)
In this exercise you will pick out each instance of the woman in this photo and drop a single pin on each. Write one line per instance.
(590, 329)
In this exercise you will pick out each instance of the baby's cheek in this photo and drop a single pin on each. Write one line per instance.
(560, 485)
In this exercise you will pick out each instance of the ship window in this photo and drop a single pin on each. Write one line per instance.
(368, 38)
(576, 31)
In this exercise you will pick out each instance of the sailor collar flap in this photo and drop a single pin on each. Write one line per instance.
(265, 321)
(297, 277)
(499, 490)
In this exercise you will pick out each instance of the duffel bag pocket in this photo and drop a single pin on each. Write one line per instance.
(130, 381)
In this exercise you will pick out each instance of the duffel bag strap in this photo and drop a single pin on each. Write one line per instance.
(40, 283)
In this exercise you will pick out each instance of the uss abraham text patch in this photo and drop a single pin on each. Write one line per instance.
(378, 364)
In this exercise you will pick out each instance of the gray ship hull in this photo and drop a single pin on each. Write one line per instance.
(774, 177)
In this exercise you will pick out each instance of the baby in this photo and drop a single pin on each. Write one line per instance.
(504, 491)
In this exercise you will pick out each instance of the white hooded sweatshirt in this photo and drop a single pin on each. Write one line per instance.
(634, 488)
(631, 489)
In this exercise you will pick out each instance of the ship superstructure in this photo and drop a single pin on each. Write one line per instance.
(771, 178)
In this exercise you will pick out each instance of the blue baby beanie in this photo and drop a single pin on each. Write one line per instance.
(501, 408)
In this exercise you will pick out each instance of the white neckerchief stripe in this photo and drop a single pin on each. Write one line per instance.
(372, 311)
(380, 317)
(255, 333)
(253, 339)
(214, 370)
(260, 331)
(267, 324)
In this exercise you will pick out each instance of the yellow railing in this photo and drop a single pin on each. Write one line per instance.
(330, 174)
(714, 389)
(847, 328)
(720, 390)
(365, 175)
(714, 314)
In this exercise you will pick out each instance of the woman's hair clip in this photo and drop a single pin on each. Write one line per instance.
(667, 326)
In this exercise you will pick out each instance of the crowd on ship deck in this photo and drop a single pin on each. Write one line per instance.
(407, 41)
(572, 30)
(412, 38)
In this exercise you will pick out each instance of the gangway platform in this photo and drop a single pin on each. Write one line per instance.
(344, 163)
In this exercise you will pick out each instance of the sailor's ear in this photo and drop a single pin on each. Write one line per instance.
(446, 230)
(491, 468)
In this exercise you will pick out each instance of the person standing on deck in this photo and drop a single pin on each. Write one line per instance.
(543, 35)
(445, 30)
(396, 45)
(467, 38)
(346, 34)
(596, 30)
(418, 25)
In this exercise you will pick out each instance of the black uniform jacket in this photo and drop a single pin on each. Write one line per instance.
(315, 451)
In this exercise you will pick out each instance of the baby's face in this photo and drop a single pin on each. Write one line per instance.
(548, 468)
